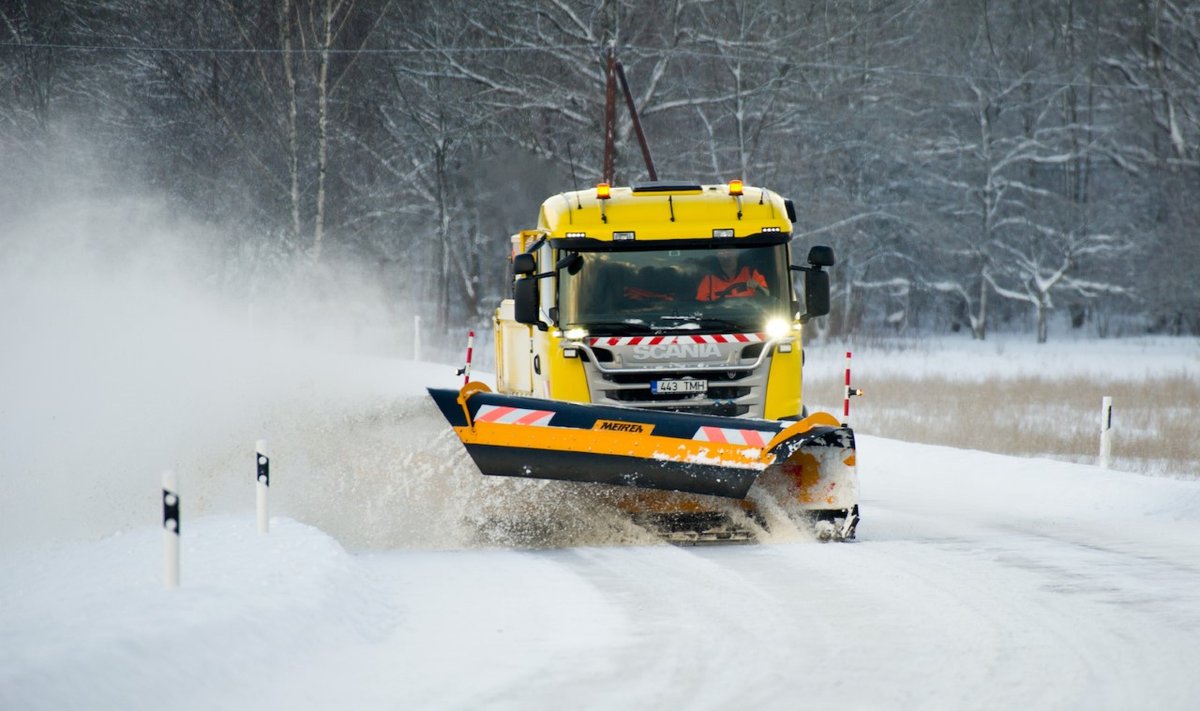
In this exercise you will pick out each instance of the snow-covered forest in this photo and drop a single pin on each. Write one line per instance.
(977, 165)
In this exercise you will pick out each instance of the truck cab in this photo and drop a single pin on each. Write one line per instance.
(666, 295)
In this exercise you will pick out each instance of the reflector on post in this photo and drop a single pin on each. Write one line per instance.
(263, 475)
(170, 509)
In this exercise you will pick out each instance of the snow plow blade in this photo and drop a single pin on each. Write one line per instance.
(516, 436)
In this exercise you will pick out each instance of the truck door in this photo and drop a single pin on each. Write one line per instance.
(514, 360)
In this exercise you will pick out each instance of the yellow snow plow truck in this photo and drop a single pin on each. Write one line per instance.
(653, 340)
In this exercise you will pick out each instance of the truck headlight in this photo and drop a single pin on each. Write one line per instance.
(575, 334)
(778, 328)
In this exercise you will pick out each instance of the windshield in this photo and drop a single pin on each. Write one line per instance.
(732, 290)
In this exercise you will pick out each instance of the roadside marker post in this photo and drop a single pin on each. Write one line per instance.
(262, 462)
(847, 393)
(1105, 431)
(465, 371)
(170, 507)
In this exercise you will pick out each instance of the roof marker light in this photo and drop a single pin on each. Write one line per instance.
(735, 188)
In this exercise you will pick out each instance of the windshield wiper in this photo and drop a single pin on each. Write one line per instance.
(703, 322)
(617, 328)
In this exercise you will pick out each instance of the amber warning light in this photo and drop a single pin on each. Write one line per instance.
(735, 188)
(603, 191)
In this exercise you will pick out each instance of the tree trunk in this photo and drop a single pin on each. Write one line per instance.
(979, 323)
(443, 238)
(285, 12)
(740, 119)
(847, 302)
(322, 131)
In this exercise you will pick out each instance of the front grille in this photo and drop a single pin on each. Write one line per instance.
(647, 396)
(733, 393)
(721, 409)
(715, 378)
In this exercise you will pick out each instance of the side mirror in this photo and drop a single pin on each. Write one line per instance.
(821, 256)
(572, 261)
(524, 264)
(816, 282)
(525, 299)
(816, 293)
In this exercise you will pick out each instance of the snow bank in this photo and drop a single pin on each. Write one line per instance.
(980, 486)
(286, 620)
(90, 625)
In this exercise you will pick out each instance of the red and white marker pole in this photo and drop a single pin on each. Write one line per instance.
(470, 350)
(170, 507)
(847, 393)
(262, 462)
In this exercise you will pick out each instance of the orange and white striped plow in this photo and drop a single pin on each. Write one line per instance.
(809, 462)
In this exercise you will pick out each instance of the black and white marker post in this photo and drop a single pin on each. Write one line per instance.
(263, 468)
(170, 506)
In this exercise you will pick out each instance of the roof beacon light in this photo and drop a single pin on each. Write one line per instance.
(735, 188)
(603, 193)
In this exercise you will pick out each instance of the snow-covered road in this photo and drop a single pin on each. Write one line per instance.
(986, 606)
(978, 581)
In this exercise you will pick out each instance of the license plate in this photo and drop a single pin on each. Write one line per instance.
(678, 386)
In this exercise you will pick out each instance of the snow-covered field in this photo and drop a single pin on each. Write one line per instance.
(1005, 356)
(1012, 396)
(978, 580)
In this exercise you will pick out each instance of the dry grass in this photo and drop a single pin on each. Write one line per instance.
(1155, 421)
